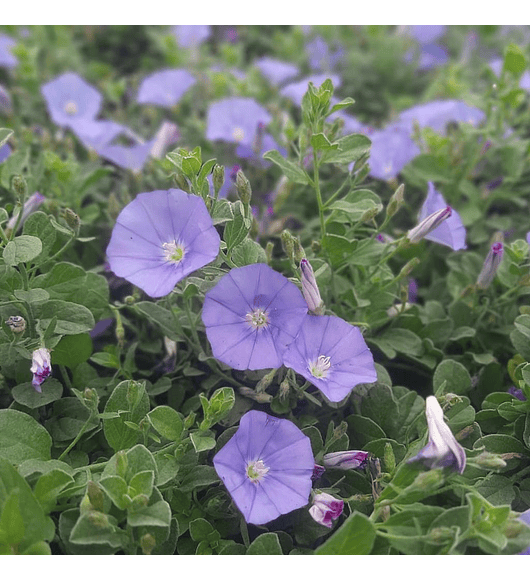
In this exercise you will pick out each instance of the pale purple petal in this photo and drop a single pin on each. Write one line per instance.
(392, 148)
(276, 71)
(7, 58)
(136, 250)
(350, 360)
(131, 157)
(166, 87)
(5, 152)
(287, 459)
(190, 35)
(70, 98)
(436, 114)
(238, 294)
(236, 120)
(450, 232)
(95, 133)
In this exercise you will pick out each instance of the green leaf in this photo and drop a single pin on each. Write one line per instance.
(158, 514)
(12, 527)
(26, 395)
(22, 438)
(355, 537)
(142, 483)
(49, 486)
(237, 229)
(202, 440)
(72, 350)
(38, 225)
(29, 514)
(248, 252)
(71, 318)
(22, 249)
(266, 544)
(292, 171)
(350, 148)
(161, 317)
(98, 528)
(514, 60)
(116, 488)
(455, 376)
(167, 422)
(130, 398)
(33, 295)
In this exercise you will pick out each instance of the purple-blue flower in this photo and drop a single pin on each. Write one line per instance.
(320, 56)
(332, 355)
(131, 157)
(161, 237)
(31, 205)
(236, 120)
(426, 33)
(496, 66)
(276, 71)
(5, 152)
(251, 316)
(190, 35)
(7, 58)
(442, 450)
(71, 100)
(392, 148)
(96, 133)
(41, 367)
(525, 518)
(436, 114)
(266, 467)
(165, 87)
(451, 232)
(295, 91)
(346, 459)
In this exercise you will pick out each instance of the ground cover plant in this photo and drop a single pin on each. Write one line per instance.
(264, 290)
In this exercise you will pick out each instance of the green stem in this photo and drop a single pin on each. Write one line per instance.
(316, 182)
(78, 436)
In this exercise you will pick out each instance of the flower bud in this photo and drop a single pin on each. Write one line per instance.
(345, 459)
(284, 390)
(218, 178)
(72, 219)
(428, 480)
(41, 367)
(287, 243)
(255, 396)
(299, 252)
(122, 463)
(427, 225)
(265, 382)
(491, 265)
(396, 201)
(96, 496)
(318, 470)
(30, 205)
(148, 544)
(310, 288)
(98, 519)
(20, 186)
(17, 324)
(489, 460)
(326, 508)
(243, 188)
(167, 134)
(441, 535)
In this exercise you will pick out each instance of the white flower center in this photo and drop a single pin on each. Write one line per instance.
(238, 134)
(320, 367)
(174, 251)
(256, 471)
(70, 108)
(258, 318)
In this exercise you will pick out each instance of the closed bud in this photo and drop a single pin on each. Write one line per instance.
(389, 458)
(148, 544)
(98, 519)
(326, 508)
(310, 288)
(17, 324)
(255, 396)
(396, 201)
(96, 496)
(489, 460)
(269, 248)
(122, 463)
(30, 205)
(369, 214)
(513, 528)
(181, 182)
(407, 268)
(218, 178)
(284, 390)
(72, 219)
(91, 398)
(244, 190)
(298, 251)
(428, 480)
(129, 300)
(287, 243)
(346, 459)
(491, 265)
(427, 225)
(140, 501)
(441, 535)
(265, 381)
(20, 186)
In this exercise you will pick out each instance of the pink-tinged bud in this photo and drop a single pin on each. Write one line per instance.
(346, 459)
(491, 265)
(41, 367)
(325, 509)
(310, 288)
(427, 225)
(318, 470)
(442, 449)
(31, 205)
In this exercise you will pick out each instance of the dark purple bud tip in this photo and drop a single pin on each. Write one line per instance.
(497, 248)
